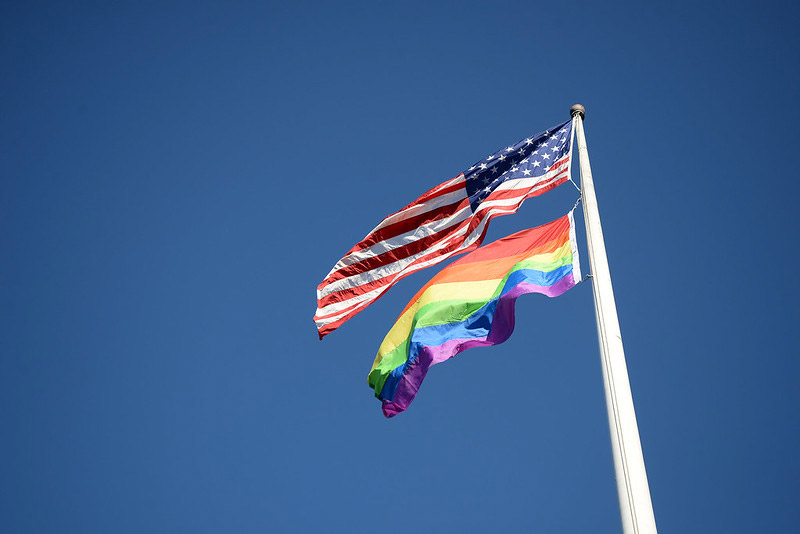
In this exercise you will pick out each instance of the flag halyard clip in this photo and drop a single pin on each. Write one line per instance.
(577, 201)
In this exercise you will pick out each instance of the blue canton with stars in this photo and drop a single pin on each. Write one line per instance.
(528, 158)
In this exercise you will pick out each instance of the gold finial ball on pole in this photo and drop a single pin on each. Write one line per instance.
(577, 109)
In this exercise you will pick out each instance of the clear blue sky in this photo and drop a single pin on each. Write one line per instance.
(177, 179)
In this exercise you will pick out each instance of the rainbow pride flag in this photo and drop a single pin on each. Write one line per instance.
(470, 303)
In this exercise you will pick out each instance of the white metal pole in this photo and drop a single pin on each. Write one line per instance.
(635, 506)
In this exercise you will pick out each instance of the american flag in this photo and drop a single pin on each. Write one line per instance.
(450, 219)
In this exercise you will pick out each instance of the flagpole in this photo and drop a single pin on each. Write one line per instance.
(635, 506)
